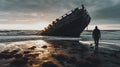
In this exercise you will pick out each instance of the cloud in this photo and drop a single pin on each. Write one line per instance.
(43, 5)
(49, 10)
(109, 13)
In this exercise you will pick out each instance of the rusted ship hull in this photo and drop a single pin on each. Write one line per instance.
(70, 26)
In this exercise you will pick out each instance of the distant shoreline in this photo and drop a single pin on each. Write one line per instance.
(103, 30)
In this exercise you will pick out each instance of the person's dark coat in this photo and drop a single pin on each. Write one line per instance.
(96, 34)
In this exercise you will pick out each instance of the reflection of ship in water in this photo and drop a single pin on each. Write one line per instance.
(71, 24)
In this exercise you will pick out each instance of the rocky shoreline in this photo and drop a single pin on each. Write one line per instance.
(57, 54)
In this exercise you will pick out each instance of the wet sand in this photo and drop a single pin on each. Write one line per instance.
(56, 53)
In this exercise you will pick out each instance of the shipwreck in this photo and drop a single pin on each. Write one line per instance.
(70, 24)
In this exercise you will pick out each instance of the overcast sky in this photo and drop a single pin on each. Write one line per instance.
(40, 12)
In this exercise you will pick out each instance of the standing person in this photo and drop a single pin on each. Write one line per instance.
(96, 36)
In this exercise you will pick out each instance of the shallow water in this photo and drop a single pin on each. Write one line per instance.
(108, 38)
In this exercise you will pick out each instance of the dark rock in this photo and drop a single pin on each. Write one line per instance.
(5, 55)
(44, 46)
(19, 62)
(18, 56)
(60, 57)
(32, 48)
(14, 51)
(64, 58)
(5, 51)
(31, 55)
(49, 64)
(26, 52)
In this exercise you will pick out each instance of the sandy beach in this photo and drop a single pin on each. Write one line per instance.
(56, 53)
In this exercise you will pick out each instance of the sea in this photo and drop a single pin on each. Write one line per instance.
(109, 38)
